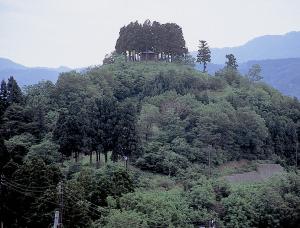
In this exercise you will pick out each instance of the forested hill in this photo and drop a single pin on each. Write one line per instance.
(167, 119)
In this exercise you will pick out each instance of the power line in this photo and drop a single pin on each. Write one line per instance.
(70, 191)
(21, 189)
(31, 191)
(90, 210)
(77, 200)
(30, 195)
(26, 186)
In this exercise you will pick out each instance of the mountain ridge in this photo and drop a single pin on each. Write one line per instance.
(29, 75)
(261, 48)
(282, 74)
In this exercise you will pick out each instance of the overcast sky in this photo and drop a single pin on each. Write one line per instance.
(79, 33)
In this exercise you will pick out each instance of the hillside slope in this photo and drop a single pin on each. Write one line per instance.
(166, 128)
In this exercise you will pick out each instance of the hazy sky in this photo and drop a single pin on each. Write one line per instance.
(78, 33)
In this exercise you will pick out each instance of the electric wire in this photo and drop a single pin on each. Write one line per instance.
(25, 186)
(22, 189)
(28, 192)
(70, 192)
(29, 195)
(93, 211)
(74, 199)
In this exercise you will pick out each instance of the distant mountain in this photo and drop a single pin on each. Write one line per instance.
(282, 74)
(261, 48)
(28, 75)
(6, 64)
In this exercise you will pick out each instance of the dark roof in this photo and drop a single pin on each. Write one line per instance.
(148, 52)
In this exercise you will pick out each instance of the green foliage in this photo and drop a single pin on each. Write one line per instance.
(46, 150)
(119, 219)
(161, 209)
(18, 120)
(273, 204)
(18, 146)
(239, 211)
(168, 119)
(202, 196)
(113, 181)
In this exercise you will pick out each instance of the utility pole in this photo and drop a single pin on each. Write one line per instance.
(1, 195)
(56, 219)
(209, 148)
(126, 162)
(296, 162)
(61, 204)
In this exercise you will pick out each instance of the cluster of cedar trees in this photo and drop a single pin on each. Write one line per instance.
(165, 40)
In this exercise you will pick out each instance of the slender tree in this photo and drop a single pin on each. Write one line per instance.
(204, 54)
(3, 98)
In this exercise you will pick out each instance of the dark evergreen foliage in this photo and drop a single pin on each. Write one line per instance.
(231, 62)
(203, 56)
(165, 40)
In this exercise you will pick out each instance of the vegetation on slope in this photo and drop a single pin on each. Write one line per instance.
(168, 119)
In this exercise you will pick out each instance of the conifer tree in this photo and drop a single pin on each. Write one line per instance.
(3, 98)
(14, 93)
(231, 62)
(203, 55)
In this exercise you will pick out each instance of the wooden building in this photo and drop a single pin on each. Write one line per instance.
(148, 56)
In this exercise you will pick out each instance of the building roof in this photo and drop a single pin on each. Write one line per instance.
(148, 52)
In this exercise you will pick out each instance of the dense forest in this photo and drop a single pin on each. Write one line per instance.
(139, 144)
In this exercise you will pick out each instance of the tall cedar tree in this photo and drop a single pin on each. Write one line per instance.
(231, 62)
(204, 54)
(14, 93)
(3, 98)
(125, 130)
(68, 133)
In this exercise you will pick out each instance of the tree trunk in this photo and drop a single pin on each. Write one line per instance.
(105, 156)
(97, 159)
(91, 157)
(204, 67)
(76, 157)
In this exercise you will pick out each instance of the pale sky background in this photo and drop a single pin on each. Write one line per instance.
(78, 33)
